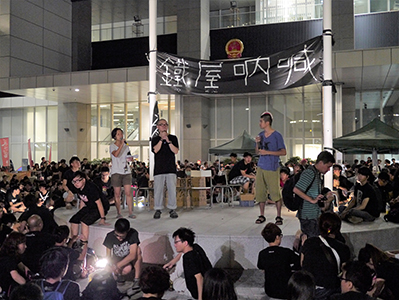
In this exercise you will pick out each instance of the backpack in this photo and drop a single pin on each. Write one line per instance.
(56, 294)
(393, 214)
(102, 287)
(291, 200)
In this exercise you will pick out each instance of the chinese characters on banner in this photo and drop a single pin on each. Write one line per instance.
(297, 66)
(5, 151)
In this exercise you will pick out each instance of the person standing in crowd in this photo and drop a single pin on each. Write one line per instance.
(165, 147)
(309, 189)
(67, 177)
(270, 146)
(121, 175)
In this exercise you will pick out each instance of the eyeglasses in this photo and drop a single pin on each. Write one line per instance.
(177, 241)
(341, 277)
(163, 124)
(77, 180)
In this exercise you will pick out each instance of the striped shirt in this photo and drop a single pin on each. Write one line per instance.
(309, 210)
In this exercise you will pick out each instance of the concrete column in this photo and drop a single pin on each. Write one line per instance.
(343, 24)
(193, 28)
(74, 134)
(348, 116)
(196, 129)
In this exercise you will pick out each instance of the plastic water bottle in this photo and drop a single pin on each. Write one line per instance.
(387, 208)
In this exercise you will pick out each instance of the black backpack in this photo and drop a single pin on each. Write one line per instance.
(101, 287)
(393, 214)
(291, 200)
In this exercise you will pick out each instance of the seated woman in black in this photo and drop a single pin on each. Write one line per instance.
(10, 263)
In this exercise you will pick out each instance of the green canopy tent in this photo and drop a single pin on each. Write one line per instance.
(240, 144)
(375, 137)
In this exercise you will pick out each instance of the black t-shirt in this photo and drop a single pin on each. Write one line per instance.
(7, 264)
(37, 242)
(72, 291)
(73, 256)
(69, 175)
(49, 224)
(194, 262)
(351, 296)
(89, 195)
(121, 249)
(238, 167)
(316, 262)
(105, 187)
(278, 264)
(165, 161)
(367, 191)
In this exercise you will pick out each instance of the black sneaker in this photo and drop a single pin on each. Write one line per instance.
(173, 214)
(157, 214)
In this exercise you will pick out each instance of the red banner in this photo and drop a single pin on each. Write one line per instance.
(30, 154)
(5, 151)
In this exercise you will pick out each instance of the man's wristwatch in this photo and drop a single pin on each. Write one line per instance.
(103, 218)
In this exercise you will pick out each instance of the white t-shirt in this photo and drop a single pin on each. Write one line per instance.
(119, 164)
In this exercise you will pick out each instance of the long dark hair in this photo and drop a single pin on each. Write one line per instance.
(218, 285)
(301, 286)
(10, 244)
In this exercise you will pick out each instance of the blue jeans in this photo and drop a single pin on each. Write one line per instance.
(159, 183)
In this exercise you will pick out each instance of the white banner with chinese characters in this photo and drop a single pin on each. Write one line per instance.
(297, 66)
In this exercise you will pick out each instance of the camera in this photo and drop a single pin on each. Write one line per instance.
(320, 203)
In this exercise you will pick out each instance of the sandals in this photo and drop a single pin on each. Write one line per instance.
(260, 220)
(279, 221)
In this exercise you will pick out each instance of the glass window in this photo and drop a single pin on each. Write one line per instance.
(104, 132)
(133, 121)
(52, 124)
(94, 150)
(40, 124)
(16, 125)
(361, 6)
(378, 5)
(223, 118)
(93, 121)
(29, 123)
(240, 115)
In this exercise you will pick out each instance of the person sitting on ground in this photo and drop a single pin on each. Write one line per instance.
(6, 221)
(385, 267)
(277, 263)
(301, 286)
(218, 285)
(323, 256)
(233, 159)
(356, 280)
(341, 184)
(61, 237)
(189, 273)
(363, 206)
(242, 172)
(123, 248)
(154, 281)
(44, 196)
(14, 203)
(33, 208)
(384, 190)
(27, 291)
(37, 242)
(284, 176)
(54, 265)
(10, 262)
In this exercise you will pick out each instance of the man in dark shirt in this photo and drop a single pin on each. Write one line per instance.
(123, 248)
(341, 184)
(32, 208)
(363, 206)
(277, 263)
(37, 242)
(104, 183)
(67, 177)
(241, 173)
(165, 146)
(195, 261)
